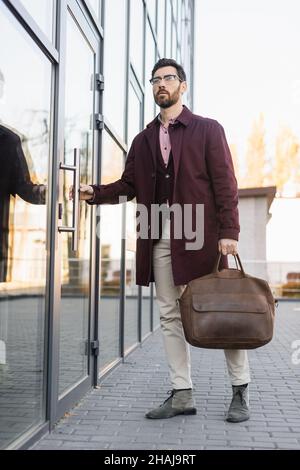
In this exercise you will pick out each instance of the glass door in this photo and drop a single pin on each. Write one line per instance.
(76, 166)
(25, 156)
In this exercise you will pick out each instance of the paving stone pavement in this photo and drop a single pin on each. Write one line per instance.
(112, 417)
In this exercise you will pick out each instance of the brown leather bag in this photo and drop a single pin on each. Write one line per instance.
(227, 309)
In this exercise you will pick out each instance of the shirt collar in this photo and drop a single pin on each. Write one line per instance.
(172, 120)
(184, 117)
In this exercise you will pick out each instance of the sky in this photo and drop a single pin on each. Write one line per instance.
(246, 63)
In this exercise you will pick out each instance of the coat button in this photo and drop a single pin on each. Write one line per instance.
(167, 175)
(153, 175)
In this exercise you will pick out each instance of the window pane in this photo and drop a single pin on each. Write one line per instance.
(74, 317)
(156, 314)
(114, 92)
(161, 27)
(175, 9)
(174, 42)
(131, 289)
(131, 304)
(110, 239)
(180, 19)
(95, 4)
(151, 5)
(150, 61)
(168, 29)
(178, 55)
(146, 310)
(186, 49)
(136, 36)
(24, 157)
(42, 13)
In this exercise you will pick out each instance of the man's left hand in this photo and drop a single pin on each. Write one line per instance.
(228, 246)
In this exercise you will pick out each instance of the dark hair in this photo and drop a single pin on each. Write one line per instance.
(170, 62)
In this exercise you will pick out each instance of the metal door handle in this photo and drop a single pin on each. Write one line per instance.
(74, 229)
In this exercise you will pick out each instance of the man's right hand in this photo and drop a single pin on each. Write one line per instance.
(86, 192)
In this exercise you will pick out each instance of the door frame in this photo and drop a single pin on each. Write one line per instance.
(56, 407)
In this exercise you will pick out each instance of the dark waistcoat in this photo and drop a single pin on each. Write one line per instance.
(164, 181)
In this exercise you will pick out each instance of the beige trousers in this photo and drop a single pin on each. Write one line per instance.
(176, 348)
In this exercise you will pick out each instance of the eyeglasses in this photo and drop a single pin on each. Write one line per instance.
(166, 78)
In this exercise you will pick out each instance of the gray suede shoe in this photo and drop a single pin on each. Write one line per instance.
(239, 406)
(180, 402)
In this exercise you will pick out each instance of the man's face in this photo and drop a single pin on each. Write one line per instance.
(167, 93)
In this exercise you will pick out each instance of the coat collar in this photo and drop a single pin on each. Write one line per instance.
(184, 117)
(152, 134)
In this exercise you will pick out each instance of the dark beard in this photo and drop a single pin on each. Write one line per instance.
(169, 101)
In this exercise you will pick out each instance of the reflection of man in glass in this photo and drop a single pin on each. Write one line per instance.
(14, 179)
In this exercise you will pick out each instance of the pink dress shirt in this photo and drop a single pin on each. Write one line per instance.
(164, 139)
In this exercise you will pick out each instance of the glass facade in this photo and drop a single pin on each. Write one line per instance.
(168, 30)
(42, 13)
(146, 310)
(131, 310)
(161, 29)
(136, 31)
(96, 7)
(115, 70)
(74, 313)
(24, 158)
(150, 61)
(70, 107)
(151, 7)
(110, 229)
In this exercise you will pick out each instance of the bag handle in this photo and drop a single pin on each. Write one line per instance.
(236, 257)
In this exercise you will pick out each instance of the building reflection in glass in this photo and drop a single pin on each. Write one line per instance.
(75, 265)
(24, 168)
(110, 232)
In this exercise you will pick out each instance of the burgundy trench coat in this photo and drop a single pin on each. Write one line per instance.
(203, 173)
